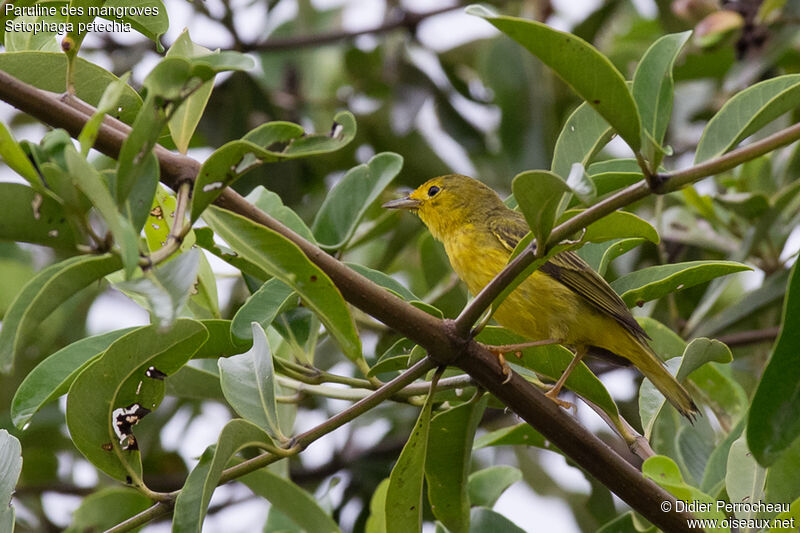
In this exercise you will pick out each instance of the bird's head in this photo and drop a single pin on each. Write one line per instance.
(449, 202)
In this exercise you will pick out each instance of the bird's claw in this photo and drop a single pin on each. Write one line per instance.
(554, 397)
(504, 366)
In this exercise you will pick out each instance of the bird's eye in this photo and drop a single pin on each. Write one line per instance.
(433, 190)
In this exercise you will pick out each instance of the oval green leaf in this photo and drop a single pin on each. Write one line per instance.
(773, 423)
(248, 383)
(448, 463)
(41, 295)
(590, 74)
(29, 216)
(118, 379)
(746, 113)
(654, 282)
(52, 377)
(284, 260)
(232, 160)
(347, 203)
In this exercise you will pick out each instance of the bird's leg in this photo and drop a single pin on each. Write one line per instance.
(499, 350)
(580, 351)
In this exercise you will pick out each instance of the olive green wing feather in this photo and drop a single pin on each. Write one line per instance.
(572, 272)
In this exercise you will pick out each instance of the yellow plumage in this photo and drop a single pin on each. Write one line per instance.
(564, 301)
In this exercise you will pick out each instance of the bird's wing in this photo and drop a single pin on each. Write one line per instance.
(571, 271)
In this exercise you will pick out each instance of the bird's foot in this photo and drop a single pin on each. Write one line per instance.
(553, 395)
(504, 366)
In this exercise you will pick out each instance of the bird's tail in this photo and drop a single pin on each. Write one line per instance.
(653, 369)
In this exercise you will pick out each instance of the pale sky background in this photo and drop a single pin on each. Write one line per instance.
(112, 310)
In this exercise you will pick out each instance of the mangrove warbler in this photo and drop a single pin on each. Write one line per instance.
(564, 301)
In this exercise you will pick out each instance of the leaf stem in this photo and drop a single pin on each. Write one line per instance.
(180, 228)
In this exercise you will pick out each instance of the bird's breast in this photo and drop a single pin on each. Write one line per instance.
(539, 308)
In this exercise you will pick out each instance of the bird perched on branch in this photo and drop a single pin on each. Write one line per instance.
(565, 301)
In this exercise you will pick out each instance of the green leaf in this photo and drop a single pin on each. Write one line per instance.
(30, 216)
(746, 204)
(653, 85)
(118, 379)
(195, 384)
(721, 391)
(47, 71)
(205, 239)
(192, 502)
(746, 113)
(772, 424)
(165, 289)
(654, 282)
(625, 523)
(376, 523)
(782, 484)
(41, 295)
(20, 41)
(270, 300)
(152, 24)
(106, 508)
(387, 282)
(271, 204)
(786, 522)
(284, 260)
(53, 376)
(15, 158)
(717, 464)
(485, 520)
(185, 119)
(294, 502)
(584, 134)
(539, 194)
(248, 383)
(10, 468)
(520, 435)
(590, 74)
(666, 473)
(448, 462)
(136, 152)
(486, 486)
(219, 343)
(107, 103)
(615, 225)
(745, 478)
(86, 178)
(600, 255)
(232, 160)
(651, 401)
(772, 290)
(404, 494)
(348, 201)
(701, 351)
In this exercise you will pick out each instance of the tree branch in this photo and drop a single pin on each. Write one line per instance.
(405, 19)
(439, 337)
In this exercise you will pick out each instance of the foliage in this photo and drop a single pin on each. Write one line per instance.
(316, 136)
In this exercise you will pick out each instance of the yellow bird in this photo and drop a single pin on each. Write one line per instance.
(565, 301)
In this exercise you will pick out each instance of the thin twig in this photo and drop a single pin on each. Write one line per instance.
(406, 19)
(754, 336)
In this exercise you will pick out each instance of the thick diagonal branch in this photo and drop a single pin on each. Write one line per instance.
(437, 336)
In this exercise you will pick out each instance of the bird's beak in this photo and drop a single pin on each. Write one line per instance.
(402, 203)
